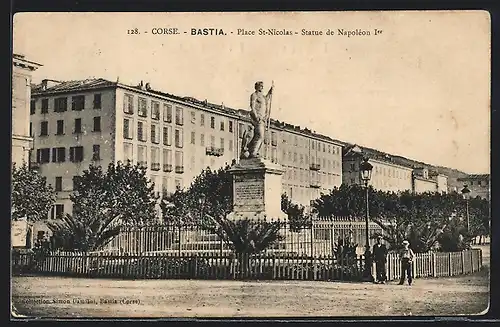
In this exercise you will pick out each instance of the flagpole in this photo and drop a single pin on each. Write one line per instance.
(268, 132)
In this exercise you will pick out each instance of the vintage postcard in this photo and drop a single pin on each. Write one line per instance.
(250, 164)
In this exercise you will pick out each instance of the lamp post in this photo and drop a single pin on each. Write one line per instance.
(366, 172)
(465, 193)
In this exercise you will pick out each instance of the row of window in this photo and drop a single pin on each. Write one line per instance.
(392, 172)
(155, 162)
(128, 133)
(60, 104)
(59, 154)
(316, 163)
(385, 171)
(167, 135)
(143, 104)
(60, 128)
(142, 111)
(303, 176)
(302, 142)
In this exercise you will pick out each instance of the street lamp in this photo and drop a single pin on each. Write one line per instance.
(465, 193)
(366, 173)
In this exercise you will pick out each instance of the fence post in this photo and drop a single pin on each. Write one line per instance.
(312, 234)
(472, 261)
(480, 263)
(462, 260)
(433, 265)
(450, 270)
(179, 239)
(414, 266)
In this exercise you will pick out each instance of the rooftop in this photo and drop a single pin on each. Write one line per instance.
(475, 176)
(389, 158)
(67, 86)
(20, 60)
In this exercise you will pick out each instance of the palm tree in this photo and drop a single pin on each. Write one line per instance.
(246, 237)
(75, 233)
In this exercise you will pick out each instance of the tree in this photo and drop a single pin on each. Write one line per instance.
(296, 217)
(210, 193)
(479, 217)
(418, 218)
(346, 201)
(102, 202)
(130, 194)
(246, 237)
(31, 196)
(454, 237)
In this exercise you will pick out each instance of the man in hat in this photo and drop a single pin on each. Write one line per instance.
(380, 257)
(406, 256)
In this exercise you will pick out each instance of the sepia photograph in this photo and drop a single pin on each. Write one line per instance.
(290, 164)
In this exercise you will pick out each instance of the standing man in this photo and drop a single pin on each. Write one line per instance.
(259, 104)
(407, 257)
(380, 256)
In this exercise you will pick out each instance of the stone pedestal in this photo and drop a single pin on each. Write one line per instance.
(257, 190)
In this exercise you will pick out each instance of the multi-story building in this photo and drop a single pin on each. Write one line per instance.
(429, 181)
(97, 121)
(478, 184)
(389, 174)
(386, 175)
(312, 162)
(21, 95)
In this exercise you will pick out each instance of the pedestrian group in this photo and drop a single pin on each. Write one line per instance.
(406, 255)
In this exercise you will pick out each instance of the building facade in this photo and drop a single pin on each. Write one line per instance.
(98, 121)
(22, 141)
(388, 174)
(478, 184)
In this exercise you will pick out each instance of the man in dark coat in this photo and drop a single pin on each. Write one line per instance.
(380, 257)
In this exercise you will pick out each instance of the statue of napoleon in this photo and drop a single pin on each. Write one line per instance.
(260, 109)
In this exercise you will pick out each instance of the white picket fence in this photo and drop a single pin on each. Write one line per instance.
(437, 264)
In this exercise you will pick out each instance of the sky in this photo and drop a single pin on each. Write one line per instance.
(420, 88)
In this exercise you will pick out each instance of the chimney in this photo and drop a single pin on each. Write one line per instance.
(48, 83)
(148, 87)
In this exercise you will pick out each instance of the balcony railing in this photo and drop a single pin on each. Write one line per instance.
(214, 151)
(315, 166)
(179, 169)
(314, 184)
(167, 167)
(155, 166)
(142, 164)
